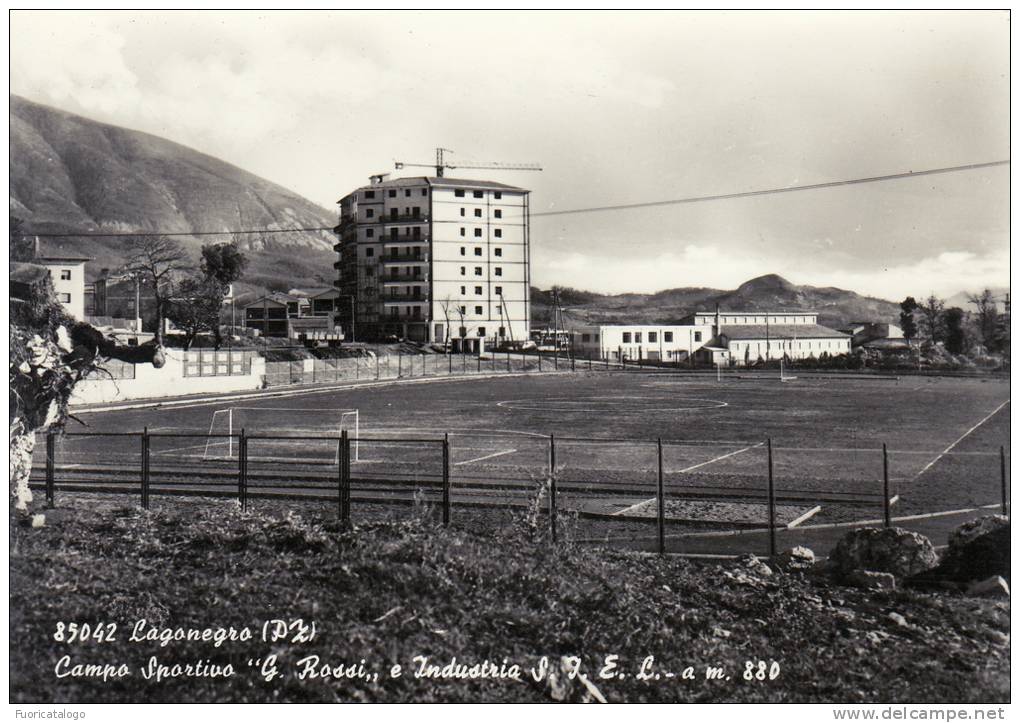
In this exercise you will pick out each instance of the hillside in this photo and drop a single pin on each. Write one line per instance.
(69, 173)
(764, 293)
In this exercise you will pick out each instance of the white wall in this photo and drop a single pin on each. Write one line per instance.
(74, 287)
(168, 381)
(610, 341)
(794, 349)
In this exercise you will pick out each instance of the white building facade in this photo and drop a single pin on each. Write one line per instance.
(641, 342)
(67, 271)
(435, 260)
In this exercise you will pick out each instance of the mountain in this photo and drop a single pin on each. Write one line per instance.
(771, 292)
(69, 173)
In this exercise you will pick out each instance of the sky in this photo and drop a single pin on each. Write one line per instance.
(617, 108)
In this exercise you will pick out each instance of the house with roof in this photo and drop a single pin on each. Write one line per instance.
(67, 270)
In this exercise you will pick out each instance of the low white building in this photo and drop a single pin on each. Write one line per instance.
(749, 343)
(653, 342)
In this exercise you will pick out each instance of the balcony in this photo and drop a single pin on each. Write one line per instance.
(392, 279)
(403, 218)
(404, 260)
(404, 299)
(403, 241)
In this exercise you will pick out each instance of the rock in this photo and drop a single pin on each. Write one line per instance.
(867, 580)
(893, 550)
(754, 565)
(899, 620)
(970, 531)
(978, 550)
(796, 559)
(993, 586)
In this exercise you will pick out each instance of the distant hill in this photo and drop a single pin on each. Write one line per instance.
(764, 293)
(69, 173)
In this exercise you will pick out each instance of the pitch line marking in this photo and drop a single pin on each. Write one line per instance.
(721, 457)
(488, 456)
(963, 436)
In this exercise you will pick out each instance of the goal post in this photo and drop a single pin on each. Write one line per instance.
(291, 432)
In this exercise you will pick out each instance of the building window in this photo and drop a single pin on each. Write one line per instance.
(499, 233)
(478, 310)
(462, 212)
(424, 191)
(585, 338)
(498, 213)
(463, 310)
(498, 271)
(369, 232)
(481, 331)
(478, 250)
(463, 231)
(478, 271)
(64, 298)
(478, 233)
(459, 193)
(637, 337)
(369, 272)
(65, 274)
(463, 290)
(407, 193)
(369, 252)
(369, 213)
(463, 251)
(499, 290)
(479, 194)
(497, 251)
(478, 213)
(667, 336)
(478, 290)
(626, 337)
(463, 270)
(697, 336)
(502, 332)
(653, 336)
(497, 195)
(393, 193)
(394, 232)
(369, 194)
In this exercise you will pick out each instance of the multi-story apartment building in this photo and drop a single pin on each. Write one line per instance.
(67, 270)
(431, 259)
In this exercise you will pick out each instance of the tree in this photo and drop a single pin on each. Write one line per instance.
(956, 336)
(195, 308)
(21, 246)
(987, 316)
(223, 262)
(157, 261)
(932, 322)
(907, 308)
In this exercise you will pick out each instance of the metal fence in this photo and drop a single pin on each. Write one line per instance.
(688, 496)
(406, 366)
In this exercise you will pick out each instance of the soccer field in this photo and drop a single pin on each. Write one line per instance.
(942, 435)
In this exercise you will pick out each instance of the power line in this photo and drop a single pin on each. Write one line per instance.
(593, 209)
(176, 233)
(772, 191)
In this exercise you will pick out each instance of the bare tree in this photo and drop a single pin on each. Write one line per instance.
(987, 315)
(932, 318)
(156, 260)
(445, 303)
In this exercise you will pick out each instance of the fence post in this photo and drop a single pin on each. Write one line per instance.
(345, 476)
(377, 366)
(400, 365)
(145, 468)
(572, 368)
(539, 355)
(242, 471)
(1002, 477)
(886, 512)
(446, 479)
(661, 493)
(552, 486)
(479, 361)
(556, 358)
(772, 504)
(589, 361)
(51, 453)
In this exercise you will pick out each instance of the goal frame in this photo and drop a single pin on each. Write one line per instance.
(230, 435)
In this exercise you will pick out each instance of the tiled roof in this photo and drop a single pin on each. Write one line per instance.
(53, 251)
(780, 331)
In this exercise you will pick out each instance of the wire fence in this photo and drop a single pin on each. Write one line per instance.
(689, 496)
(406, 366)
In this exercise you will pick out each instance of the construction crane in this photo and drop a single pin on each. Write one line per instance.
(442, 164)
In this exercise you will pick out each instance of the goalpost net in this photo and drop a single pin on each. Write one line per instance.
(294, 434)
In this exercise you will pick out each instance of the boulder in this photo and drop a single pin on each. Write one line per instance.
(893, 550)
(867, 580)
(993, 586)
(977, 550)
(754, 565)
(796, 559)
